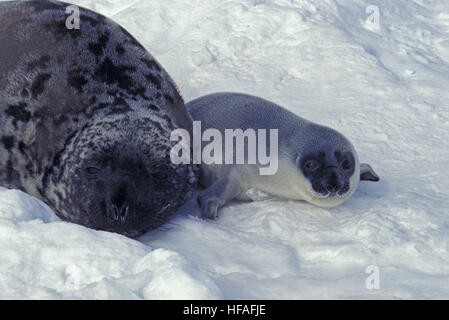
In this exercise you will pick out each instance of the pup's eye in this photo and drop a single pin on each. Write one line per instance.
(159, 175)
(346, 164)
(310, 165)
(93, 170)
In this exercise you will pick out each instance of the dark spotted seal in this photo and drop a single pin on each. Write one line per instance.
(315, 163)
(85, 120)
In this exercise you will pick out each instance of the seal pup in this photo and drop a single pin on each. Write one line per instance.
(85, 119)
(315, 163)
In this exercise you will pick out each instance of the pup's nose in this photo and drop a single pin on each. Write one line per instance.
(333, 188)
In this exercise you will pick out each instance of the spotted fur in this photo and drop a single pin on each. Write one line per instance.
(69, 97)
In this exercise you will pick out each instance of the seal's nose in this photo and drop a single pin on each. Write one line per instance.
(120, 213)
(333, 188)
(120, 207)
(332, 184)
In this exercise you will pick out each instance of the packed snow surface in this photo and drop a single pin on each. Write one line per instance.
(384, 86)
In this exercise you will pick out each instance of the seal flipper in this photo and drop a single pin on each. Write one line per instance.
(216, 196)
(367, 173)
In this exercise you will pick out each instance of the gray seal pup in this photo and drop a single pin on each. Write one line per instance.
(85, 119)
(315, 163)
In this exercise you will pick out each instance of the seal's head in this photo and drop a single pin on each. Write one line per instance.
(331, 168)
(120, 180)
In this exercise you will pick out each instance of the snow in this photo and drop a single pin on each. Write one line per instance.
(44, 258)
(385, 89)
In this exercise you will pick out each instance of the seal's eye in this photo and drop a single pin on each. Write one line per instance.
(310, 165)
(159, 175)
(93, 170)
(346, 164)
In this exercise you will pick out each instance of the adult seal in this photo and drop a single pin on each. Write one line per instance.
(85, 119)
(315, 163)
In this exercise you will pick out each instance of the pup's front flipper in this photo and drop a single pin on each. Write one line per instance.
(367, 173)
(216, 196)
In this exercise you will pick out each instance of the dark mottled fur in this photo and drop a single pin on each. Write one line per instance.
(72, 100)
